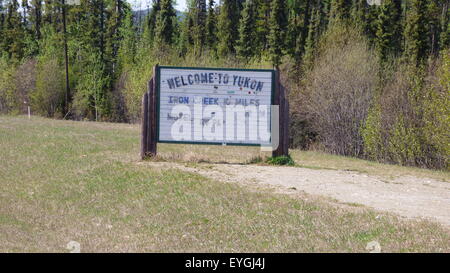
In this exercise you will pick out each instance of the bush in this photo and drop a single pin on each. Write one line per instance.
(437, 116)
(338, 91)
(48, 97)
(9, 102)
(89, 99)
(281, 160)
(16, 82)
(136, 83)
(374, 147)
(410, 119)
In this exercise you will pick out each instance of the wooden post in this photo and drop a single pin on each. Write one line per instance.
(150, 87)
(149, 116)
(283, 119)
(144, 125)
(152, 99)
(286, 122)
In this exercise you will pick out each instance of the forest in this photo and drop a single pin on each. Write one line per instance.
(365, 78)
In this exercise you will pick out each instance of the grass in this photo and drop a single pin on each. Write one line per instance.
(320, 160)
(280, 160)
(82, 181)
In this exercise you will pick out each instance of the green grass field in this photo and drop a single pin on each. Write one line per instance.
(67, 181)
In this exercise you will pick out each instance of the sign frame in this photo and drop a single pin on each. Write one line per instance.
(158, 100)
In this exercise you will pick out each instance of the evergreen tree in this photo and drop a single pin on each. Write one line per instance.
(127, 32)
(226, 29)
(228, 25)
(51, 13)
(298, 20)
(433, 26)
(246, 43)
(195, 27)
(2, 26)
(13, 32)
(211, 26)
(36, 18)
(340, 9)
(200, 25)
(262, 24)
(371, 24)
(278, 22)
(358, 12)
(437, 18)
(186, 39)
(149, 28)
(444, 39)
(313, 34)
(25, 12)
(113, 36)
(164, 28)
(388, 39)
(416, 32)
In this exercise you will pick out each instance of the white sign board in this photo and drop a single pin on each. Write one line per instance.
(214, 106)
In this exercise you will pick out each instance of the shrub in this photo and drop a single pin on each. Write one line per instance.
(410, 119)
(371, 133)
(89, 99)
(48, 97)
(281, 160)
(437, 116)
(339, 90)
(9, 103)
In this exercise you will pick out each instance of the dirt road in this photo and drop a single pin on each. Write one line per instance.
(406, 196)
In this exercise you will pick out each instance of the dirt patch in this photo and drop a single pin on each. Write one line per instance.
(406, 196)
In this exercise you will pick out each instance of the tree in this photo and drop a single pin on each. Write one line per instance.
(278, 22)
(195, 25)
(36, 18)
(340, 10)
(186, 39)
(48, 97)
(51, 12)
(200, 25)
(2, 26)
(444, 39)
(211, 26)
(313, 36)
(388, 33)
(113, 37)
(164, 28)
(13, 32)
(246, 42)
(127, 44)
(149, 28)
(89, 100)
(262, 24)
(298, 21)
(416, 32)
(228, 27)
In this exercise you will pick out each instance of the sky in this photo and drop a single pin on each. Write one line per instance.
(143, 4)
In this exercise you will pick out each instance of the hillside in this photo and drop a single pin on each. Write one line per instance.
(68, 181)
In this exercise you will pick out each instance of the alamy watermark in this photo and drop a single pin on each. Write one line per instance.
(373, 247)
(73, 247)
(257, 124)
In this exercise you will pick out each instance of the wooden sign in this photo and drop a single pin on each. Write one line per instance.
(214, 106)
(220, 106)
